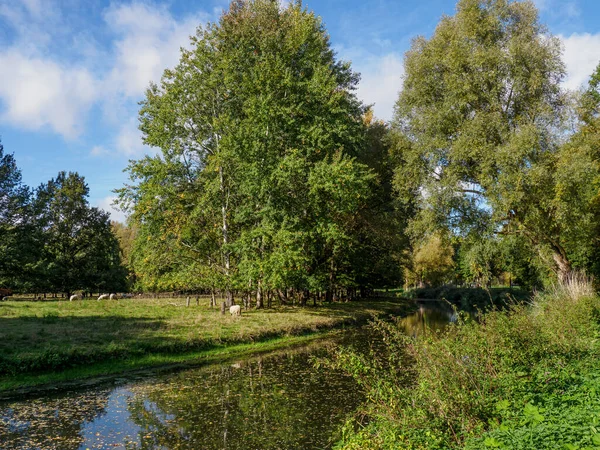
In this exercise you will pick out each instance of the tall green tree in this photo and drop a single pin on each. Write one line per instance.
(257, 182)
(479, 112)
(18, 243)
(577, 183)
(80, 252)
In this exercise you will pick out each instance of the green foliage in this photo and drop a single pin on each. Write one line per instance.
(506, 260)
(18, 240)
(432, 263)
(80, 250)
(54, 241)
(479, 120)
(263, 179)
(504, 375)
(469, 298)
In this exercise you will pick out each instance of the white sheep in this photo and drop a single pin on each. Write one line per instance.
(236, 310)
(103, 297)
(114, 297)
(74, 297)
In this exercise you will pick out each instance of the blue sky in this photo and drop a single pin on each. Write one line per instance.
(73, 71)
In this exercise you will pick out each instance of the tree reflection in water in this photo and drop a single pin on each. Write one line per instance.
(431, 316)
(271, 402)
(276, 401)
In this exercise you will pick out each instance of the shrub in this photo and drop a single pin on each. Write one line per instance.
(453, 386)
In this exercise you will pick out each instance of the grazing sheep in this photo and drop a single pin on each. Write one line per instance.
(236, 310)
(74, 297)
(103, 297)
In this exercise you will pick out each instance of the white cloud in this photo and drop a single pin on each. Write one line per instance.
(33, 6)
(150, 39)
(381, 81)
(581, 56)
(99, 150)
(37, 93)
(115, 214)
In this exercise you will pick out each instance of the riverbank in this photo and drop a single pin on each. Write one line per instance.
(523, 378)
(46, 345)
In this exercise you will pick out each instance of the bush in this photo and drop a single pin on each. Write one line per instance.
(490, 376)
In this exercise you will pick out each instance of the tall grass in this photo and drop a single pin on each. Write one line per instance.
(447, 388)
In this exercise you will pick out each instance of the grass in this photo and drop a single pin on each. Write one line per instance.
(522, 378)
(58, 341)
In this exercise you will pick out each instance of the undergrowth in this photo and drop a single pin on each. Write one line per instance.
(522, 378)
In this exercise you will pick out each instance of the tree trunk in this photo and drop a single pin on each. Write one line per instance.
(304, 297)
(226, 254)
(259, 294)
(282, 296)
(563, 265)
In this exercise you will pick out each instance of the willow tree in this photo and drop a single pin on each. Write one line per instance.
(478, 112)
(252, 117)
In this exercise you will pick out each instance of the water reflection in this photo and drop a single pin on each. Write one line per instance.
(430, 317)
(279, 401)
(272, 402)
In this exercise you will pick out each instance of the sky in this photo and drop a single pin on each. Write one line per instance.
(73, 71)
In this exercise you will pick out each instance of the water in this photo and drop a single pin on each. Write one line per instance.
(277, 401)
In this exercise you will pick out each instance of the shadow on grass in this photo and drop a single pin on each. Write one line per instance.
(35, 344)
(53, 343)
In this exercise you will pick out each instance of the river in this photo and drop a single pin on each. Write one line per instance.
(274, 401)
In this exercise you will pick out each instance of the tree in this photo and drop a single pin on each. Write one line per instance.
(257, 182)
(18, 239)
(431, 263)
(576, 198)
(478, 112)
(80, 251)
(126, 235)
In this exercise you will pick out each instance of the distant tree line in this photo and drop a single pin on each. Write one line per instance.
(51, 239)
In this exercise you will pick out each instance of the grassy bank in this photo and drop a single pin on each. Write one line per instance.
(525, 378)
(58, 341)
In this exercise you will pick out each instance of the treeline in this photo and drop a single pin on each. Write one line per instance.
(273, 180)
(51, 240)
